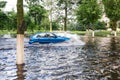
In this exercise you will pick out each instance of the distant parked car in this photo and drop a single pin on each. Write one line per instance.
(47, 37)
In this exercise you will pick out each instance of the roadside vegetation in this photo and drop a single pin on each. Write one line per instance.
(81, 19)
(98, 33)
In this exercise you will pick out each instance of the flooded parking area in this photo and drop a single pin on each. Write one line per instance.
(83, 59)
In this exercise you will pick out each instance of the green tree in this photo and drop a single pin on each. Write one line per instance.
(3, 16)
(112, 10)
(36, 11)
(55, 25)
(49, 4)
(100, 25)
(67, 6)
(45, 24)
(33, 2)
(12, 20)
(88, 13)
(28, 22)
(3, 20)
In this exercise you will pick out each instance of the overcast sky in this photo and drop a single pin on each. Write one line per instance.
(11, 4)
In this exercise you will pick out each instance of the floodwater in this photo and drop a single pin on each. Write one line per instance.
(82, 58)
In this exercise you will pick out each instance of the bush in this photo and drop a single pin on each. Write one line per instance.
(100, 25)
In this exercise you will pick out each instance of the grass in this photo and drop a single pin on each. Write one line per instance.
(105, 33)
(79, 32)
(101, 33)
(2, 32)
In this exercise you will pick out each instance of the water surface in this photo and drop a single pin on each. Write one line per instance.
(89, 59)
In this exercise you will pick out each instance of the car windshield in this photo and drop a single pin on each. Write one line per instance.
(40, 35)
(43, 35)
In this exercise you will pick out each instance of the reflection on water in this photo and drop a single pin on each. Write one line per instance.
(20, 72)
(97, 59)
(104, 57)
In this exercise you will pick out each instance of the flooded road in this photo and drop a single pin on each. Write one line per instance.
(89, 59)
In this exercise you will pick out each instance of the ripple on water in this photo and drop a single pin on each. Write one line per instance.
(52, 62)
(7, 65)
(61, 61)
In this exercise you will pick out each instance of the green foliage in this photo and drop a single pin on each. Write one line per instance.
(102, 33)
(2, 4)
(100, 25)
(68, 7)
(36, 13)
(3, 16)
(119, 25)
(55, 26)
(74, 27)
(32, 2)
(3, 20)
(88, 12)
(79, 32)
(8, 20)
(82, 28)
(45, 24)
(112, 9)
(12, 22)
(28, 22)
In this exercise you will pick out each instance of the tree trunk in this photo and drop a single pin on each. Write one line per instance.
(65, 19)
(51, 17)
(20, 33)
(20, 72)
(50, 26)
(115, 33)
(93, 33)
(114, 25)
(93, 30)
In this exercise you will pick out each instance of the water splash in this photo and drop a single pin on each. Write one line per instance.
(74, 39)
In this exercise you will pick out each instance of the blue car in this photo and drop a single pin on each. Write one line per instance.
(47, 37)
